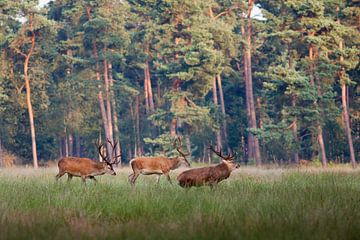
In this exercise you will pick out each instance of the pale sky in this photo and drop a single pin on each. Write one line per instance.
(43, 2)
(256, 13)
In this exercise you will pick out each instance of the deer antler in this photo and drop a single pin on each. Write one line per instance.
(229, 157)
(116, 158)
(99, 146)
(178, 139)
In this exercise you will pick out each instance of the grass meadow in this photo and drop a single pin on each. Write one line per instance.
(252, 204)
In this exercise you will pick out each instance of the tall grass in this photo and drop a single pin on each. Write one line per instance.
(252, 204)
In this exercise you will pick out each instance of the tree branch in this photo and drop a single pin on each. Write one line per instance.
(20, 52)
(226, 11)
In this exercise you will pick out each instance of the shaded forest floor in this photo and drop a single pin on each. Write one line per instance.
(252, 204)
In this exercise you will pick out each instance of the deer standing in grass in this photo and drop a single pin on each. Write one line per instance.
(87, 168)
(157, 165)
(211, 175)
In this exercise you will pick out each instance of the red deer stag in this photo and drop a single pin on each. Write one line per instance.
(87, 168)
(157, 165)
(208, 175)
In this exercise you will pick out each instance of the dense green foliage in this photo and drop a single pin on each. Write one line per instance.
(252, 204)
(182, 46)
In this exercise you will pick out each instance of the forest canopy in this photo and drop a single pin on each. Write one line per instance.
(274, 89)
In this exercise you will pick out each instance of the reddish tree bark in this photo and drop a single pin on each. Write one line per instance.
(146, 92)
(253, 142)
(148, 87)
(345, 102)
(28, 90)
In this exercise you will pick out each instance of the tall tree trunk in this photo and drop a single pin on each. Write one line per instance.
(100, 139)
(78, 145)
(133, 118)
(108, 100)
(115, 117)
(158, 92)
(173, 125)
(137, 114)
(347, 125)
(66, 143)
(149, 88)
(295, 134)
(71, 145)
(215, 100)
(100, 94)
(222, 104)
(320, 138)
(28, 94)
(188, 145)
(345, 105)
(60, 147)
(103, 110)
(254, 147)
(146, 92)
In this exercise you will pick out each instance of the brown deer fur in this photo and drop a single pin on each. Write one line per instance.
(155, 165)
(83, 167)
(206, 175)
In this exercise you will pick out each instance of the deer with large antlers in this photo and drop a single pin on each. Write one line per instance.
(87, 168)
(157, 165)
(211, 175)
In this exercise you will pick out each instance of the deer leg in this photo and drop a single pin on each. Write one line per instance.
(93, 178)
(168, 177)
(133, 180)
(212, 185)
(158, 178)
(59, 175)
(130, 177)
(69, 177)
(83, 178)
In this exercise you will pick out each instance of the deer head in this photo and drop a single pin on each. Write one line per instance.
(228, 160)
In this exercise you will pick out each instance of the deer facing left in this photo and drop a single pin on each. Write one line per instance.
(87, 168)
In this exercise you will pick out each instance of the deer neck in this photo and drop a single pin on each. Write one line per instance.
(174, 162)
(101, 167)
(224, 169)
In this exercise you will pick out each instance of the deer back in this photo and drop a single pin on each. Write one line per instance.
(204, 175)
(80, 166)
(154, 163)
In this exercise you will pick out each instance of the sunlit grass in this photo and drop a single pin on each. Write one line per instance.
(253, 203)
